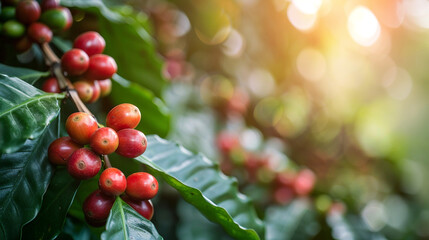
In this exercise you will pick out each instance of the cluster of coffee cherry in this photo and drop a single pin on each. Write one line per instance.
(254, 168)
(91, 69)
(27, 22)
(85, 162)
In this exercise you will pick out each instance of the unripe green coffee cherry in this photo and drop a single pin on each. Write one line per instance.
(13, 29)
(57, 18)
(7, 13)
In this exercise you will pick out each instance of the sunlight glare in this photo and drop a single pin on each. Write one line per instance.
(308, 6)
(299, 19)
(363, 26)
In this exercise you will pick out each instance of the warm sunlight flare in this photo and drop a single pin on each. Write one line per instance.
(300, 20)
(363, 26)
(308, 6)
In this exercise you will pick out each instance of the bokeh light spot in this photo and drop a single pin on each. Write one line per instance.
(311, 64)
(261, 83)
(363, 26)
(308, 6)
(300, 20)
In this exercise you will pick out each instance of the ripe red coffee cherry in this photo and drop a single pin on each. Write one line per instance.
(95, 90)
(96, 208)
(143, 207)
(123, 116)
(23, 44)
(104, 141)
(75, 62)
(91, 42)
(84, 90)
(49, 4)
(141, 186)
(105, 87)
(27, 11)
(283, 195)
(101, 67)
(304, 182)
(112, 182)
(132, 143)
(83, 164)
(61, 149)
(39, 33)
(226, 142)
(80, 126)
(51, 85)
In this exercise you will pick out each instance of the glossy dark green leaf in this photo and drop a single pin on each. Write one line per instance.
(125, 223)
(193, 225)
(25, 74)
(202, 184)
(56, 203)
(351, 227)
(76, 230)
(85, 188)
(25, 111)
(155, 115)
(293, 221)
(128, 42)
(24, 178)
(61, 44)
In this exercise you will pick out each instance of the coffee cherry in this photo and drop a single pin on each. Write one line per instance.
(104, 141)
(13, 29)
(227, 142)
(283, 195)
(143, 207)
(80, 126)
(7, 13)
(304, 182)
(58, 18)
(49, 4)
(75, 62)
(90, 42)
(39, 33)
(51, 85)
(101, 67)
(112, 182)
(105, 87)
(96, 208)
(123, 116)
(83, 164)
(27, 11)
(95, 90)
(84, 90)
(141, 186)
(61, 149)
(132, 143)
(23, 44)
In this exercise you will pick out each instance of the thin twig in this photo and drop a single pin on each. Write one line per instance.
(65, 85)
(54, 63)
(106, 160)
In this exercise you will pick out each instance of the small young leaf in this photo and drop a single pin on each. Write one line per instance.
(24, 178)
(125, 223)
(25, 111)
(202, 184)
(28, 75)
(56, 202)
